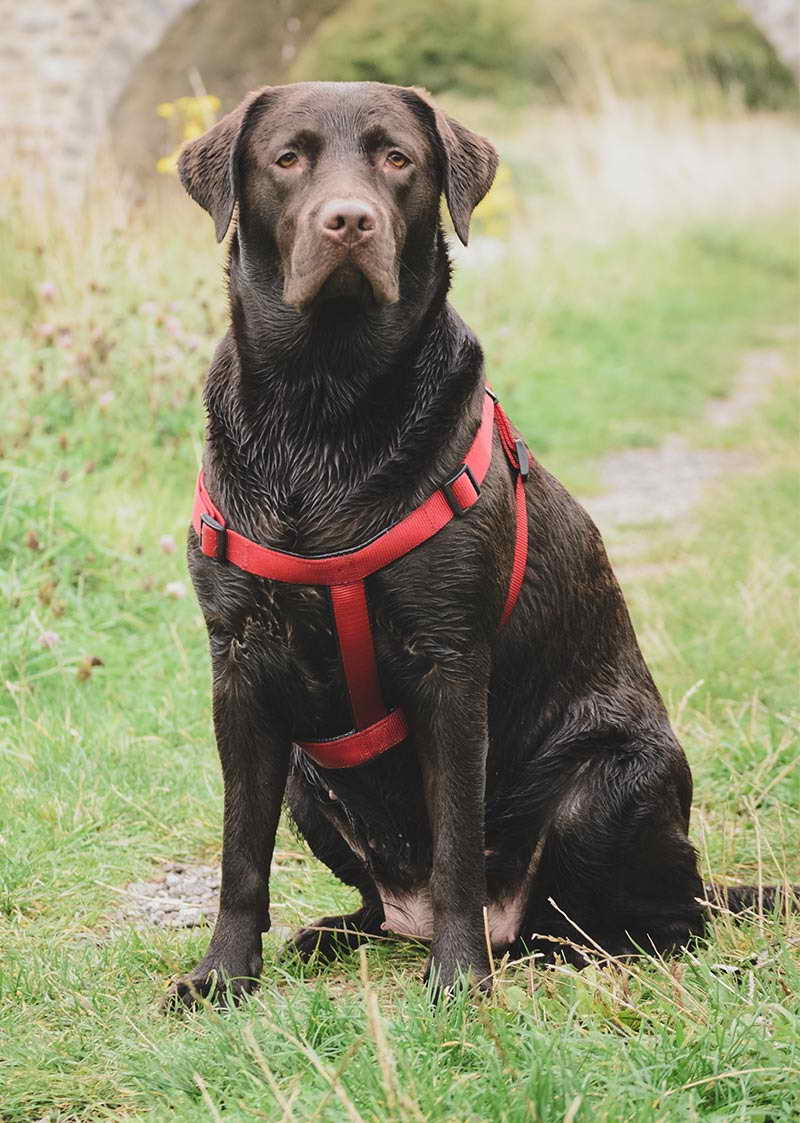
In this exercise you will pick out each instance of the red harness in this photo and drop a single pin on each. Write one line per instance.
(375, 729)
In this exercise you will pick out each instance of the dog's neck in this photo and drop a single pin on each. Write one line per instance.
(328, 359)
(325, 402)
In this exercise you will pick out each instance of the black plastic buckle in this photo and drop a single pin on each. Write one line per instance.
(449, 495)
(523, 459)
(221, 533)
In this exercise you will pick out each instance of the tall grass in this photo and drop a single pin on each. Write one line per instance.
(639, 166)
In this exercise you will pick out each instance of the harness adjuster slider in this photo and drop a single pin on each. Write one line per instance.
(523, 459)
(220, 542)
(456, 506)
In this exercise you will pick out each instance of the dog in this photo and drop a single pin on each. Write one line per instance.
(539, 799)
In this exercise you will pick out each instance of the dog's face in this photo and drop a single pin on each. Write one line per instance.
(331, 179)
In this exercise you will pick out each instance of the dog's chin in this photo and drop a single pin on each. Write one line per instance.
(347, 287)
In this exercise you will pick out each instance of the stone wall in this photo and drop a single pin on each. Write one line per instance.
(78, 74)
(225, 47)
(65, 64)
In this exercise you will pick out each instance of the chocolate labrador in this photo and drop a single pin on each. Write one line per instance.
(540, 797)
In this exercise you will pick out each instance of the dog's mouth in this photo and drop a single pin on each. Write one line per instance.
(361, 280)
(348, 283)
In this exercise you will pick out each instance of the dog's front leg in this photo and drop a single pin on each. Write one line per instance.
(452, 740)
(254, 766)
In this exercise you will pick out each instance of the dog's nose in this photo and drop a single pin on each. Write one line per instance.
(348, 221)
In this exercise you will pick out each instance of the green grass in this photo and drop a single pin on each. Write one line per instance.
(616, 345)
(107, 769)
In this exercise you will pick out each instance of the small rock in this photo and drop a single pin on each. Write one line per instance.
(182, 897)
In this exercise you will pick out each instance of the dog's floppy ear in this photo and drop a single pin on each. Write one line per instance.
(469, 161)
(208, 166)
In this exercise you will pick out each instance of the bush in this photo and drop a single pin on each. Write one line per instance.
(559, 50)
(465, 45)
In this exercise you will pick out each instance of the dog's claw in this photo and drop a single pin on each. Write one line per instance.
(216, 987)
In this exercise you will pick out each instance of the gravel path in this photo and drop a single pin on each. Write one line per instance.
(182, 896)
(646, 485)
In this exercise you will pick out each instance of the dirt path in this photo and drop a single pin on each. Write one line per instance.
(642, 486)
(646, 485)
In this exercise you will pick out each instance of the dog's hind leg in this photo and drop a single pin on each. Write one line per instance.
(617, 872)
(332, 935)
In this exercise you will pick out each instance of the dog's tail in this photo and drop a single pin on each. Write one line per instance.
(760, 899)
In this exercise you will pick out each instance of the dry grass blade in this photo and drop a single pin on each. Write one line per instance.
(572, 1110)
(396, 1099)
(730, 1074)
(212, 1107)
(332, 1078)
(487, 935)
(655, 960)
(251, 1043)
(385, 1059)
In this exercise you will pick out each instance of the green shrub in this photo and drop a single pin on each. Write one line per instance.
(554, 49)
(466, 45)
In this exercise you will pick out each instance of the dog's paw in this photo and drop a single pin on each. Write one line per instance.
(212, 983)
(446, 975)
(333, 936)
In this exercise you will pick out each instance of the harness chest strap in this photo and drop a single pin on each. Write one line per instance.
(376, 730)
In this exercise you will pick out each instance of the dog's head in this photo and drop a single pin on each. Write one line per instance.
(334, 180)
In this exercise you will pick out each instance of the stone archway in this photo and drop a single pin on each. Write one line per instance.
(225, 47)
(65, 65)
(79, 72)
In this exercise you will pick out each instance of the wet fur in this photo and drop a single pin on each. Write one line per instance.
(542, 753)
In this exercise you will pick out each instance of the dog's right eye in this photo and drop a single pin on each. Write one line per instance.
(398, 160)
(286, 159)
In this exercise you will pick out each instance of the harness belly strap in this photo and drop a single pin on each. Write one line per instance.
(344, 573)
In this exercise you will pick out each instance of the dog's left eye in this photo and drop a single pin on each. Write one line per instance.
(286, 159)
(397, 160)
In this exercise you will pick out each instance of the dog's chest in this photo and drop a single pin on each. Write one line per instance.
(280, 640)
(292, 636)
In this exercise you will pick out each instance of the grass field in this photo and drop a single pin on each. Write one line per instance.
(107, 763)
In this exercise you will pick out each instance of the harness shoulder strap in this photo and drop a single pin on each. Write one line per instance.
(518, 457)
(452, 500)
